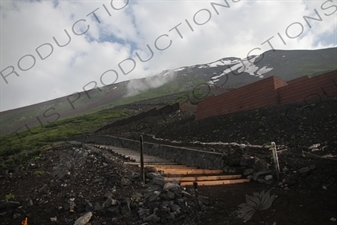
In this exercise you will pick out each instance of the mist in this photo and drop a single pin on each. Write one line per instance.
(137, 86)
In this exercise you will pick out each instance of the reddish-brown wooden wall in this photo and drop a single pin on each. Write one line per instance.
(268, 92)
(304, 89)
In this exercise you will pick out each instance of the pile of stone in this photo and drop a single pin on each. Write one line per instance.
(158, 202)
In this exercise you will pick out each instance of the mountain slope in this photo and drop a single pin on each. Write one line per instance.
(228, 72)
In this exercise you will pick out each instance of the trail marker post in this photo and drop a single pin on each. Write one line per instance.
(275, 156)
(142, 159)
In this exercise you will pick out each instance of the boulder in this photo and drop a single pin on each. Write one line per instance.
(83, 219)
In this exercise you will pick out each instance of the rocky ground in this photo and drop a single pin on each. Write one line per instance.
(103, 190)
(97, 186)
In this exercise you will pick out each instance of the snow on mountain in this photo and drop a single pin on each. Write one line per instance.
(235, 65)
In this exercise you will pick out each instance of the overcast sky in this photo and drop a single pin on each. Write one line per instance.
(106, 35)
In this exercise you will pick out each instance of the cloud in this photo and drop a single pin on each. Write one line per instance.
(207, 32)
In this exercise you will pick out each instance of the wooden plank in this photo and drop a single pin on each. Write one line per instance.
(217, 182)
(202, 178)
(163, 167)
(191, 171)
(150, 163)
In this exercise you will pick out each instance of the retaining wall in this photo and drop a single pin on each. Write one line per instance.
(187, 156)
(269, 92)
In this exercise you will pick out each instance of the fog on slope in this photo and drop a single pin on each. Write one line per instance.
(137, 86)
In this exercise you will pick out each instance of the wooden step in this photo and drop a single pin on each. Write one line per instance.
(164, 167)
(186, 171)
(202, 178)
(215, 182)
(150, 163)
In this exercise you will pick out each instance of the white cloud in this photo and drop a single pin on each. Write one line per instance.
(119, 34)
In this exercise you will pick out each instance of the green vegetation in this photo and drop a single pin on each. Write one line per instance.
(10, 197)
(39, 173)
(25, 145)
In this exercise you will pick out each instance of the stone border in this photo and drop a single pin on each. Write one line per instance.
(187, 156)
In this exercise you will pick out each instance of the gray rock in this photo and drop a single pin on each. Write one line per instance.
(260, 164)
(109, 202)
(247, 160)
(28, 202)
(136, 196)
(108, 194)
(83, 219)
(248, 172)
(152, 218)
(285, 169)
(12, 204)
(89, 207)
(171, 186)
(125, 182)
(263, 181)
(150, 169)
(143, 212)
(167, 195)
(125, 210)
(203, 200)
(154, 196)
(261, 173)
(306, 169)
(268, 177)
(175, 207)
(159, 180)
(16, 215)
(153, 175)
(112, 211)
(97, 207)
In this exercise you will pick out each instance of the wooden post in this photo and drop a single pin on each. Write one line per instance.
(277, 165)
(142, 159)
(195, 186)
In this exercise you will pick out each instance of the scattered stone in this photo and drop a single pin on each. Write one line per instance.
(150, 169)
(168, 195)
(125, 210)
(248, 172)
(175, 207)
(154, 196)
(261, 173)
(28, 202)
(112, 211)
(153, 175)
(171, 186)
(125, 182)
(109, 202)
(83, 219)
(268, 177)
(89, 207)
(306, 169)
(159, 180)
(263, 181)
(333, 219)
(142, 212)
(16, 215)
(203, 200)
(53, 219)
(260, 164)
(12, 204)
(108, 195)
(247, 160)
(98, 209)
(152, 218)
(285, 169)
(136, 196)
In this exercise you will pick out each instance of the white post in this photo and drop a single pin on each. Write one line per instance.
(275, 156)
